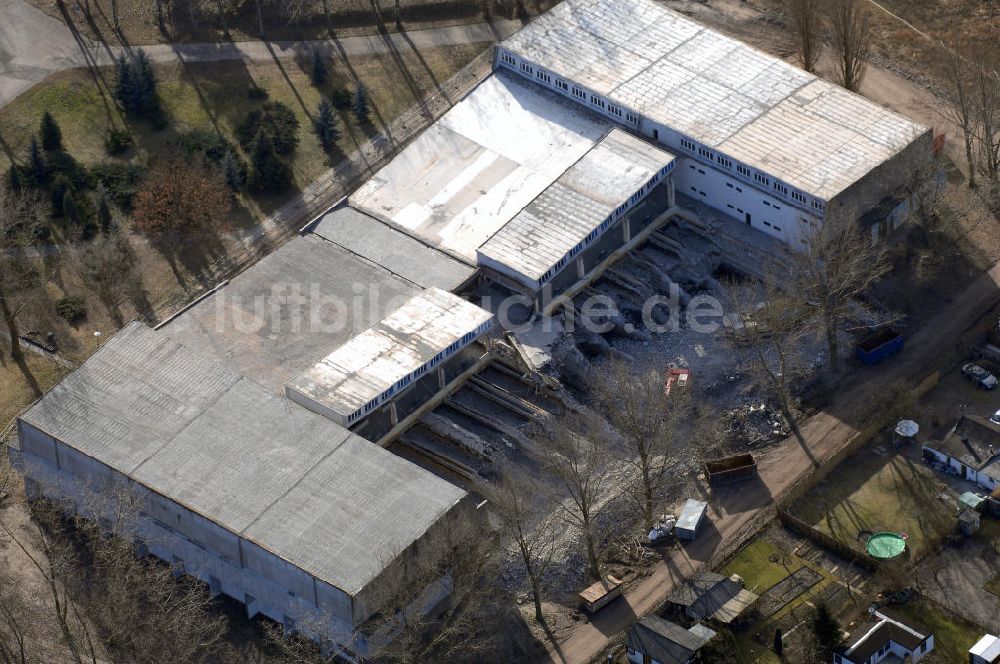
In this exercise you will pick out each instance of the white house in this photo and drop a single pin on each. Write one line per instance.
(884, 636)
(971, 450)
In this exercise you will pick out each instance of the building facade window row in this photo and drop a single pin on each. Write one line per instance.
(606, 107)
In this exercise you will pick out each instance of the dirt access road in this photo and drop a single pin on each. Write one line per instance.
(936, 346)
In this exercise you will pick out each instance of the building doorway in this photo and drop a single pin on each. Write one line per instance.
(656, 134)
(748, 219)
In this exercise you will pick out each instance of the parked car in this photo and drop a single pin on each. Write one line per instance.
(979, 376)
(995, 417)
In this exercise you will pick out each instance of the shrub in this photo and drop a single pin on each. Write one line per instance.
(71, 308)
(257, 92)
(119, 181)
(341, 98)
(209, 142)
(275, 120)
(117, 142)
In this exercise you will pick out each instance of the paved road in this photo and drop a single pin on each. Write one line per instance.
(34, 45)
(732, 511)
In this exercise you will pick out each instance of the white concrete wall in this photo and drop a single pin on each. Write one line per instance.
(738, 199)
(966, 472)
(227, 563)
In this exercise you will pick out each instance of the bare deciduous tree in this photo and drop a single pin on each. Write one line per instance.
(986, 101)
(806, 17)
(850, 27)
(513, 499)
(959, 94)
(108, 267)
(466, 627)
(838, 264)
(587, 480)
(635, 403)
(54, 564)
(21, 213)
(777, 327)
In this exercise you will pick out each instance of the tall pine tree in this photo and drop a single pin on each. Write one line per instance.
(126, 85)
(146, 79)
(318, 71)
(325, 125)
(70, 210)
(827, 631)
(105, 220)
(269, 174)
(233, 172)
(51, 134)
(361, 108)
(38, 169)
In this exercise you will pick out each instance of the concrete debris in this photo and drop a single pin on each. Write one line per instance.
(455, 433)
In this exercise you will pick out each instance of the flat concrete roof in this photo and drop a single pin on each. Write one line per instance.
(290, 309)
(753, 107)
(399, 344)
(480, 164)
(393, 249)
(568, 210)
(189, 428)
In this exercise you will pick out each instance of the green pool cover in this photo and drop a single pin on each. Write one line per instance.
(885, 545)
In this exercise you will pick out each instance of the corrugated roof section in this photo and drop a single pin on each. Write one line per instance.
(395, 347)
(567, 211)
(720, 92)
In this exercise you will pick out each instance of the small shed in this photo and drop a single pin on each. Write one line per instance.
(968, 521)
(690, 519)
(972, 501)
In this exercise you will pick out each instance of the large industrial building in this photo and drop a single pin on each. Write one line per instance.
(760, 140)
(253, 422)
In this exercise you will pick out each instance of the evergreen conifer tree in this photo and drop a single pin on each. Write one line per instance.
(269, 174)
(361, 107)
(325, 125)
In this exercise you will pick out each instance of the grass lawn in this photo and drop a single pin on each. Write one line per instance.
(754, 564)
(953, 636)
(15, 392)
(750, 652)
(875, 493)
(214, 95)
